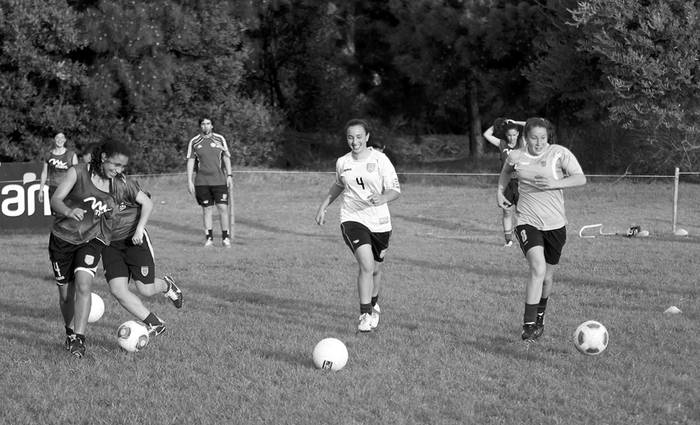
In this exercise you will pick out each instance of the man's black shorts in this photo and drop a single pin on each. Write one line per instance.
(209, 195)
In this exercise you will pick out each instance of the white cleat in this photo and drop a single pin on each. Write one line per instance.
(374, 318)
(365, 324)
(226, 242)
(209, 242)
(508, 244)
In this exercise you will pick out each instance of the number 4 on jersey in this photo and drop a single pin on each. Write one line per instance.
(360, 182)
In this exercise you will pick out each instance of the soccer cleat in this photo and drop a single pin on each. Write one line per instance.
(539, 327)
(76, 346)
(508, 244)
(209, 242)
(173, 292)
(226, 242)
(365, 324)
(374, 317)
(66, 343)
(529, 332)
(155, 330)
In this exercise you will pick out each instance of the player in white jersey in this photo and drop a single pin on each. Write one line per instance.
(368, 182)
(543, 170)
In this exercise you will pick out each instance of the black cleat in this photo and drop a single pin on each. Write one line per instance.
(529, 332)
(155, 330)
(173, 293)
(539, 327)
(76, 346)
(66, 343)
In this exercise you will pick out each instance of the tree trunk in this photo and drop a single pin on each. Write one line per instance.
(476, 140)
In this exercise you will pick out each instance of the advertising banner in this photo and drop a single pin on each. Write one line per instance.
(20, 208)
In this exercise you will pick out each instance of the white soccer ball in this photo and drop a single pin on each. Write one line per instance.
(330, 354)
(132, 336)
(591, 338)
(97, 308)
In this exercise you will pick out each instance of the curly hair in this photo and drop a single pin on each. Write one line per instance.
(110, 148)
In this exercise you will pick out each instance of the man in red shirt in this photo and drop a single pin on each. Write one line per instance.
(209, 178)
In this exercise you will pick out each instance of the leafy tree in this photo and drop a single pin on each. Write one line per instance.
(648, 54)
(39, 83)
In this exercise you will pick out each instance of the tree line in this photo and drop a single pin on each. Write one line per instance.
(619, 78)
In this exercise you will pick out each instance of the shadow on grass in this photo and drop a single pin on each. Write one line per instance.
(443, 224)
(38, 273)
(270, 309)
(196, 233)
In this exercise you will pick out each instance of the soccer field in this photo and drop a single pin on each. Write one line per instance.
(447, 350)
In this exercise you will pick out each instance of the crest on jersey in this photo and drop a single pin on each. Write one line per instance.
(89, 260)
(144, 271)
(371, 167)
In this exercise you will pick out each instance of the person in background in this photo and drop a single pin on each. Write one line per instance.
(209, 178)
(543, 170)
(83, 207)
(368, 182)
(56, 163)
(130, 255)
(505, 134)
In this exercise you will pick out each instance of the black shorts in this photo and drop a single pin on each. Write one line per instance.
(67, 258)
(209, 195)
(356, 234)
(124, 259)
(511, 192)
(551, 240)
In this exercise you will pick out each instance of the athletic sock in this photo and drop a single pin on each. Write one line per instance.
(152, 320)
(542, 306)
(210, 234)
(224, 234)
(530, 313)
(374, 300)
(366, 308)
(508, 235)
(69, 331)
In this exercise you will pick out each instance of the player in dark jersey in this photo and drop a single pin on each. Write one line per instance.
(505, 134)
(130, 255)
(208, 153)
(83, 207)
(56, 163)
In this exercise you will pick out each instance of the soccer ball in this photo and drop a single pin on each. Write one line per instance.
(97, 308)
(132, 336)
(591, 338)
(330, 354)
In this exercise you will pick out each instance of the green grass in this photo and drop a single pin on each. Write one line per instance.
(447, 350)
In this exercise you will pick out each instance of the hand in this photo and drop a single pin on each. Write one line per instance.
(137, 239)
(41, 195)
(77, 214)
(376, 199)
(502, 201)
(321, 216)
(190, 187)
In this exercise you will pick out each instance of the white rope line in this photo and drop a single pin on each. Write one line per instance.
(418, 174)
